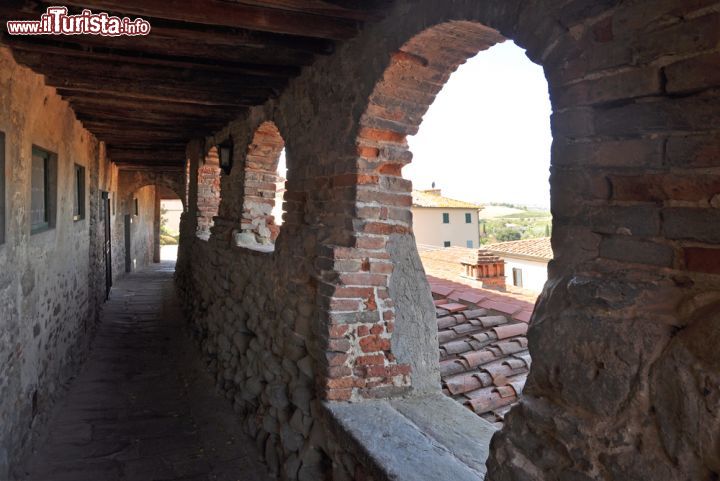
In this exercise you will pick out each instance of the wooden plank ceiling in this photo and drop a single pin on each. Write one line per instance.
(202, 64)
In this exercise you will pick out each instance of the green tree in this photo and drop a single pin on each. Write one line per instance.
(507, 234)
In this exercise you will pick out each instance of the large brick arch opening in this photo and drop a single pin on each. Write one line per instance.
(259, 227)
(395, 330)
(634, 255)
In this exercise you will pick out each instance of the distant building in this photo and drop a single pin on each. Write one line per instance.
(525, 261)
(444, 222)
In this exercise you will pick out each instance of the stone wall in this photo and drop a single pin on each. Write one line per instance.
(52, 283)
(624, 381)
(142, 228)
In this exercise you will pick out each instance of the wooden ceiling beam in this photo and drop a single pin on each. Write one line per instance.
(363, 10)
(204, 63)
(212, 35)
(150, 121)
(217, 12)
(139, 90)
(140, 146)
(141, 131)
(71, 51)
(90, 102)
(146, 118)
(134, 133)
(171, 77)
(236, 103)
(150, 165)
(120, 155)
(191, 51)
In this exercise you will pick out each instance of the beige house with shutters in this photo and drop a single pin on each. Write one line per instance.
(444, 222)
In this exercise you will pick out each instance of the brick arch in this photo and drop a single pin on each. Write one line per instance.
(131, 181)
(414, 76)
(632, 207)
(208, 193)
(261, 181)
(394, 328)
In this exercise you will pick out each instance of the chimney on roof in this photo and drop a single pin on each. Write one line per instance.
(437, 192)
(487, 268)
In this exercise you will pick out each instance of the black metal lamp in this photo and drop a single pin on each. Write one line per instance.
(225, 151)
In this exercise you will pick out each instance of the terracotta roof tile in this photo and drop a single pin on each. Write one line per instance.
(538, 248)
(489, 399)
(510, 330)
(491, 321)
(441, 290)
(446, 322)
(443, 268)
(454, 307)
(484, 359)
(471, 297)
(501, 306)
(433, 199)
(475, 313)
(523, 316)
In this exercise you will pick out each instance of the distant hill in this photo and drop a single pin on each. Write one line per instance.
(507, 222)
(495, 211)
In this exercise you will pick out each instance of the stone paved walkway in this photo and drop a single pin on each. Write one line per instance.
(142, 408)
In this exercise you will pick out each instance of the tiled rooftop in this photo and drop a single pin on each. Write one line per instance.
(539, 248)
(432, 198)
(445, 263)
(484, 358)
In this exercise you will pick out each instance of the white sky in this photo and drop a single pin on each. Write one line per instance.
(278, 210)
(486, 138)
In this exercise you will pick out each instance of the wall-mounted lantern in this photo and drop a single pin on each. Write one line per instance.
(225, 151)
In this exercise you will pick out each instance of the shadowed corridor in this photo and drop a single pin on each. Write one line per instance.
(143, 407)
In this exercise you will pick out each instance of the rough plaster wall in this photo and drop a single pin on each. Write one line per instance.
(636, 263)
(142, 234)
(47, 310)
(117, 232)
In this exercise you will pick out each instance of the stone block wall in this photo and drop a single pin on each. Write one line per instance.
(624, 381)
(52, 283)
(47, 305)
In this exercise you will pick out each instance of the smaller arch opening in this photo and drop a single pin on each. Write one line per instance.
(208, 197)
(171, 209)
(264, 188)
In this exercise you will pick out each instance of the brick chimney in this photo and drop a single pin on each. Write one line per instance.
(487, 268)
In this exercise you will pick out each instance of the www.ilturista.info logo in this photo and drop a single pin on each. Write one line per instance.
(56, 21)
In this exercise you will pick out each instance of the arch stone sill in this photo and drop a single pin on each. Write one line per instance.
(426, 438)
(263, 248)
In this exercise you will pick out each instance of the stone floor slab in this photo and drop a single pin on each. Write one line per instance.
(139, 408)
